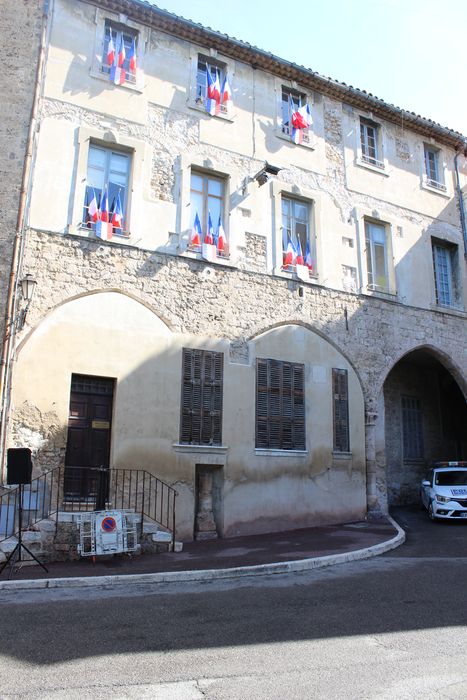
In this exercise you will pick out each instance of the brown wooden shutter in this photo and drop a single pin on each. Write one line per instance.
(201, 405)
(340, 410)
(280, 409)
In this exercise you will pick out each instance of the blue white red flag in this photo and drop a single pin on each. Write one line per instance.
(104, 207)
(110, 51)
(299, 259)
(196, 232)
(308, 262)
(93, 211)
(117, 216)
(132, 57)
(117, 71)
(289, 256)
(221, 238)
(209, 237)
(213, 93)
(300, 119)
(226, 95)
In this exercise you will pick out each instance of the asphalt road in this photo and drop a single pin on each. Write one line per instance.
(390, 627)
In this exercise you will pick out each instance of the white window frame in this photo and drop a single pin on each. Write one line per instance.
(427, 182)
(444, 273)
(380, 163)
(186, 164)
(369, 255)
(206, 176)
(137, 150)
(225, 65)
(285, 131)
(98, 68)
(275, 253)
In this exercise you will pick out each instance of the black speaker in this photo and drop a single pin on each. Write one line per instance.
(18, 465)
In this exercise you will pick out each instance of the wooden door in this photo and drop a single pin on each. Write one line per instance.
(89, 433)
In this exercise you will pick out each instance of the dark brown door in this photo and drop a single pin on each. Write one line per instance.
(89, 431)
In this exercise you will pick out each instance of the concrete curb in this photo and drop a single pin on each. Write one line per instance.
(212, 574)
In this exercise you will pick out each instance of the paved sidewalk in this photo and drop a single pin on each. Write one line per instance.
(256, 554)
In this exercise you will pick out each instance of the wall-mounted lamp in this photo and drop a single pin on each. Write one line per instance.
(262, 176)
(28, 285)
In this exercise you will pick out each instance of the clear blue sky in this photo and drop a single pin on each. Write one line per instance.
(411, 53)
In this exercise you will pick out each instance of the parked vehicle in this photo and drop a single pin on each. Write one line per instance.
(444, 491)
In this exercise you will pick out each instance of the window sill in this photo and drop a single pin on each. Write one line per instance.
(99, 75)
(381, 294)
(341, 455)
(374, 168)
(441, 190)
(226, 117)
(453, 310)
(262, 452)
(310, 145)
(279, 272)
(194, 255)
(84, 230)
(200, 449)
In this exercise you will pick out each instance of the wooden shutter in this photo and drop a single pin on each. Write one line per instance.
(340, 410)
(280, 406)
(201, 404)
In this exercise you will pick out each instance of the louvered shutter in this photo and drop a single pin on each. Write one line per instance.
(280, 414)
(201, 409)
(340, 410)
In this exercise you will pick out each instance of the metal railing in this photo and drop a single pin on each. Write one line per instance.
(81, 489)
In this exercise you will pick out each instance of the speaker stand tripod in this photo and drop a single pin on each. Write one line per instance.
(15, 558)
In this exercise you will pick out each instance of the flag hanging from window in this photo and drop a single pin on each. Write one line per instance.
(104, 206)
(213, 93)
(226, 95)
(290, 256)
(221, 238)
(308, 262)
(196, 232)
(132, 57)
(300, 119)
(110, 51)
(93, 211)
(299, 259)
(209, 237)
(117, 71)
(117, 216)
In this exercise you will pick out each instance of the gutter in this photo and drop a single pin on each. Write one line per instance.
(8, 345)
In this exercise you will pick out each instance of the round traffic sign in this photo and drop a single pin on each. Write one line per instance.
(109, 524)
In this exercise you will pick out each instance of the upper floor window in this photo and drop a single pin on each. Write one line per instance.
(377, 256)
(119, 53)
(201, 405)
(207, 196)
(106, 196)
(412, 428)
(213, 89)
(296, 116)
(297, 244)
(445, 269)
(340, 405)
(370, 143)
(433, 168)
(280, 405)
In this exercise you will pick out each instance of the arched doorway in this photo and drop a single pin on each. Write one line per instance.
(425, 421)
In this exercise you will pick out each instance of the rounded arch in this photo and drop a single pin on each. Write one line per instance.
(83, 295)
(309, 327)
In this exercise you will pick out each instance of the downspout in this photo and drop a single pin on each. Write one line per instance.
(459, 194)
(18, 250)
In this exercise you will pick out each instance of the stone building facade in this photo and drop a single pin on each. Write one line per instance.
(373, 340)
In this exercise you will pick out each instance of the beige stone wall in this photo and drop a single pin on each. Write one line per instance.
(20, 29)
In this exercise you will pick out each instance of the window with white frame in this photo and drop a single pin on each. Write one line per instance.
(433, 168)
(412, 428)
(298, 246)
(295, 116)
(208, 70)
(370, 143)
(108, 172)
(121, 36)
(445, 268)
(207, 204)
(377, 256)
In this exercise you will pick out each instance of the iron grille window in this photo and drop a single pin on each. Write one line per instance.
(369, 137)
(412, 428)
(340, 389)
(280, 405)
(432, 169)
(84, 384)
(201, 410)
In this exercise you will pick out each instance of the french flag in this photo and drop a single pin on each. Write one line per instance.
(93, 211)
(132, 57)
(226, 95)
(117, 216)
(117, 71)
(289, 257)
(299, 259)
(213, 93)
(196, 232)
(308, 262)
(209, 237)
(110, 51)
(104, 208)
(221, 238)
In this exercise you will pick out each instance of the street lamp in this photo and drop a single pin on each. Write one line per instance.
(28, 285)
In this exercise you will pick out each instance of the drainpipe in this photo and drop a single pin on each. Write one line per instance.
(459, 194)
(8, 345)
